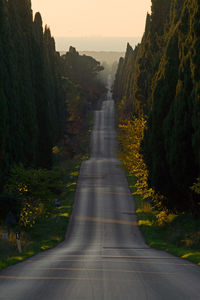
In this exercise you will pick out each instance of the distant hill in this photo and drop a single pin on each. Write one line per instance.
(103, 56)
(98, 43)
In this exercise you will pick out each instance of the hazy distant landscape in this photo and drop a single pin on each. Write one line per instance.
(108, 57)
(98, 43)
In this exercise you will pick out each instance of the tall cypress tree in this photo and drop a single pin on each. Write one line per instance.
(165, 82)
(32, 97)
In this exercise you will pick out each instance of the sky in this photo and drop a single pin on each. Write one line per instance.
(94, 18)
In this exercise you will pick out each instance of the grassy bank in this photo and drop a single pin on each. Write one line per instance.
(176, 234)
(48, 232)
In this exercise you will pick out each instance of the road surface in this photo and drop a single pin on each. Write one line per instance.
(104, 256)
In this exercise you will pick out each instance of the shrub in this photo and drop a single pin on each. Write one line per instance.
(36, 189)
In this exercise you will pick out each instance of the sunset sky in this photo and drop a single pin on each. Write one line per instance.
(83, 18)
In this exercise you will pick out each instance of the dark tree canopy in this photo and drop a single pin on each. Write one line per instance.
(160, 79)
(29, 88)
(34, 104)
(83, 70)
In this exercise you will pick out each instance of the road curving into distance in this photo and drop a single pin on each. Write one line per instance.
(104, 256)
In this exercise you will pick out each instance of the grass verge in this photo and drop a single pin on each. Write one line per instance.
(48, 232)
(176, 234)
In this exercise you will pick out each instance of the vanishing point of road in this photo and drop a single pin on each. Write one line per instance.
(104, 256)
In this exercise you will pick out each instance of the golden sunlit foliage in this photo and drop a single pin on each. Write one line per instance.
(130, 137)
(160, 79)
(36, 189)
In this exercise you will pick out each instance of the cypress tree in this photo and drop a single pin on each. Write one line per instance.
(165, 86)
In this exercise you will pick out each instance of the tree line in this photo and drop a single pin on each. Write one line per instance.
(32, 100)
(159, 80)
(82, 88)
(45, 98)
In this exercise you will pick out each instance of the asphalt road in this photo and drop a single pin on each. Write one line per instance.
(104, 255)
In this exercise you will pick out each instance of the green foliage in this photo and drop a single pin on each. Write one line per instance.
(43, 96)
(75, 65)
(82, 93)
(36, 189)
(162, 81)
(130, 136)
(175, 161)
(134, 76)
(32, 102)
(47, 232)
(177, 234)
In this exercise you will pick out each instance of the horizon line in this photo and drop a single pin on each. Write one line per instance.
(96, 36)
(93, 50)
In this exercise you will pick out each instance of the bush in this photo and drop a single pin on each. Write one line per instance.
(36, 189)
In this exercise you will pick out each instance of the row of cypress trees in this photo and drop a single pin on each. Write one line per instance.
(160, 79)
(40, 91)
(32, 102)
